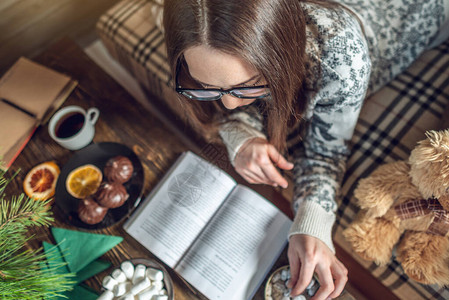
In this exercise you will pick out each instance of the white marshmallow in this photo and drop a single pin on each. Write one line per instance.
(128, 268)
(127, 297)
(109, 283)
(148, 293)
(139, 273)
(107, 295)
(159, 285)
(140, 286)
(159, 297)
(163, 292)
(312, 282)
(118, 275)
(155, 274)
(121, 289)
(284, 274)
(312, 290)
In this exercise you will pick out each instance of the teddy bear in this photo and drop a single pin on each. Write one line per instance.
(406, 204)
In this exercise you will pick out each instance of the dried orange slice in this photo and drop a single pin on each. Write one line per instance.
(40, 182)
(83, 181)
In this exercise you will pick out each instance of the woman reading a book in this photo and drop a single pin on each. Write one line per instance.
(282, 77)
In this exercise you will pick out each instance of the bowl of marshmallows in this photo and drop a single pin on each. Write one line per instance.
(137, 279)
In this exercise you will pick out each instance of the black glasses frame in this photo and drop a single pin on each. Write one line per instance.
(222, 92)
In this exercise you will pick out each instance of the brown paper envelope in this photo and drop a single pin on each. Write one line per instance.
(32, 86)
(15, 126)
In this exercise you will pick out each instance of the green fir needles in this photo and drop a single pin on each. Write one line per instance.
(24, 273)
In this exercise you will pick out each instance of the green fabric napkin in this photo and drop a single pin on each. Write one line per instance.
(92, 269)
(77, 252)
(56, 260)
(81, 248)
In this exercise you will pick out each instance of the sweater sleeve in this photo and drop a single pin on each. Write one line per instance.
(320, 160)
(242, 125)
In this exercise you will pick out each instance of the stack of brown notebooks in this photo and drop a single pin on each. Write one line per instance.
(29, 94)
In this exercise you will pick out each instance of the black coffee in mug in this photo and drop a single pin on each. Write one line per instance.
(69, 125)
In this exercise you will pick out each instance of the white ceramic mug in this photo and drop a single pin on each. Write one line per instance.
(72, 127)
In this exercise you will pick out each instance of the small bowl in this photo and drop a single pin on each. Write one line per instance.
(168, 284)
(269, 288)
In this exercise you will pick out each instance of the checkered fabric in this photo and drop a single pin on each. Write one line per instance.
(421, 207)
(131, 36)
(391, 122)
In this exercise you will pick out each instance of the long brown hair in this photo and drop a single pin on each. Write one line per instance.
(268, 34)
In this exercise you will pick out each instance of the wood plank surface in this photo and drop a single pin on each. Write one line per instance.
(27, 27)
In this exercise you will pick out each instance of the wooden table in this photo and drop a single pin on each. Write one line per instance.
(123, 120)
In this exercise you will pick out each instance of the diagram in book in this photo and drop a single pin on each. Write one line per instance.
(185, 189)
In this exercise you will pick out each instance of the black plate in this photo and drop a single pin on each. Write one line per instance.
(98, 154)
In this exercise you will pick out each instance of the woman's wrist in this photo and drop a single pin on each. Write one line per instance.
(235, 135)
(311, 219)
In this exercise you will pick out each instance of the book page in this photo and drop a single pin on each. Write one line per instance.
(173, 215)
(233, 254)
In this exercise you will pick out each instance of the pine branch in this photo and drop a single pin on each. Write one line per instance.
(22, 212)
(17, 215)
(27, 277)
(24, 273)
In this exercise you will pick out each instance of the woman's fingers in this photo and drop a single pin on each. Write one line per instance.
(340, 274)
(255, 177)
(295, 265)
(313, 256)
(273, 175)
(256, 161)
(278, 159)
(262, 172)
(305, 276)
(326, 283)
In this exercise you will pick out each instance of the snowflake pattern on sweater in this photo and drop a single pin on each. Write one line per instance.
(352, 62)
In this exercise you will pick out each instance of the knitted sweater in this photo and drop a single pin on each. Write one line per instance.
(351, 63)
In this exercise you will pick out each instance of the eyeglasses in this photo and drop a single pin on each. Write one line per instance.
(202, 94)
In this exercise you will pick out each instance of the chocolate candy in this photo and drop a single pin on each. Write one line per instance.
(90, 212)
(118, 169)
(111, 194)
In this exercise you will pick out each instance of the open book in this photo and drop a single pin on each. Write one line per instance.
(220, 236)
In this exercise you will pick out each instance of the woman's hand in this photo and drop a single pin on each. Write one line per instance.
(306, 255)
(257, 160)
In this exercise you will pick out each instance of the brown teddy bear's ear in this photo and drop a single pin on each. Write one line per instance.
(429, 164)
(439, 139)
(435, 148)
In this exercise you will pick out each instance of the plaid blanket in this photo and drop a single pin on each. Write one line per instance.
(391, 122)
